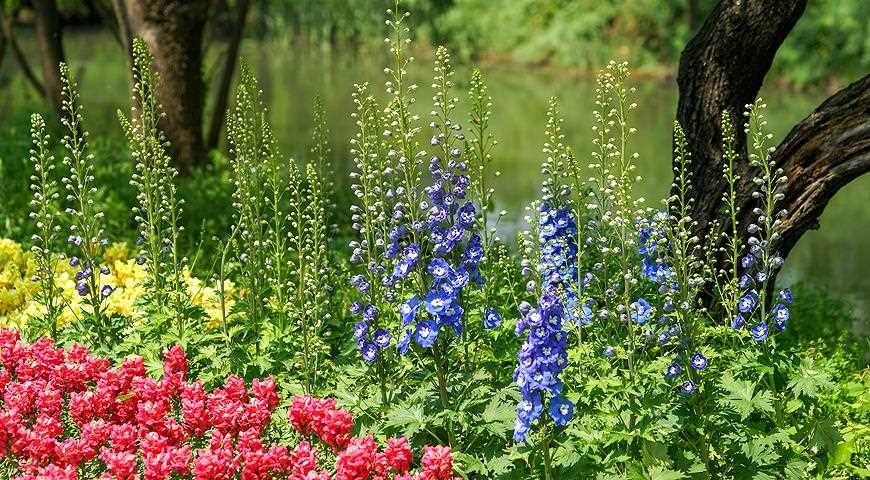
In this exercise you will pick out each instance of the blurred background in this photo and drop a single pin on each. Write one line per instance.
(529, 50)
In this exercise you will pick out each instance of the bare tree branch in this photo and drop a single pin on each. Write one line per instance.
(9, 33)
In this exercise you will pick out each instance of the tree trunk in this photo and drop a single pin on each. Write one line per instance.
(223, 91)
(123, 30)
(49, 36)
(173, 30)
(722, 69)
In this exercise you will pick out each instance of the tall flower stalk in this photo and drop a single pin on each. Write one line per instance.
(550, 263)
(158, 208)
(726, 243)
(372, 183)
(44, 213)
(679, 268)
(251, 146)
(86, 232)
(614, 208)
(760, 263)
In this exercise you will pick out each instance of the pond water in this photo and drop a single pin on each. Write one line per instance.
(835, 257)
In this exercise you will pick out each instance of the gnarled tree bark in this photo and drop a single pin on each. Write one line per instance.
(722, 69)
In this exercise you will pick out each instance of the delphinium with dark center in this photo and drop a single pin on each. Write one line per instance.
(388, 215)
(86, 233)
(760, 263)
(158, 208)
(446, 259)
(551, 248)
(45, 212)
(420, 242)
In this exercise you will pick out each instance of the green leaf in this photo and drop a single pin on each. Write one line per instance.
(498, 416)
(842, 453)
(662, 473)
(809, 380)
(468, 464)
(409, 420)
(825, 435)
(742, 398)
(655, 453)
(761, 450)
(796, 470)
(500, 465)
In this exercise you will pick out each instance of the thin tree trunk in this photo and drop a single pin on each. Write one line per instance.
(223, 89)
(2, 47)
(49, 36)
(173, 30)
(9, 34)
(722, 69)
(123, 31)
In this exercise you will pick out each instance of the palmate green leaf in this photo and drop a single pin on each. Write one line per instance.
(742, 398)
(842, 453)
(408, 420)
(796, 470)
(655, 453)
(825, 435)
(809, 380)
(761, 475)
(761, 451)
(466, 464)
(567, 457)
(499, 414)
(500, 465)
(662, 473)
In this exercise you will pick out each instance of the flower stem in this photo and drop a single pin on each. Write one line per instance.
(548, 461)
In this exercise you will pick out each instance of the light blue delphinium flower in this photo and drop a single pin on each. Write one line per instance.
(561, 410)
